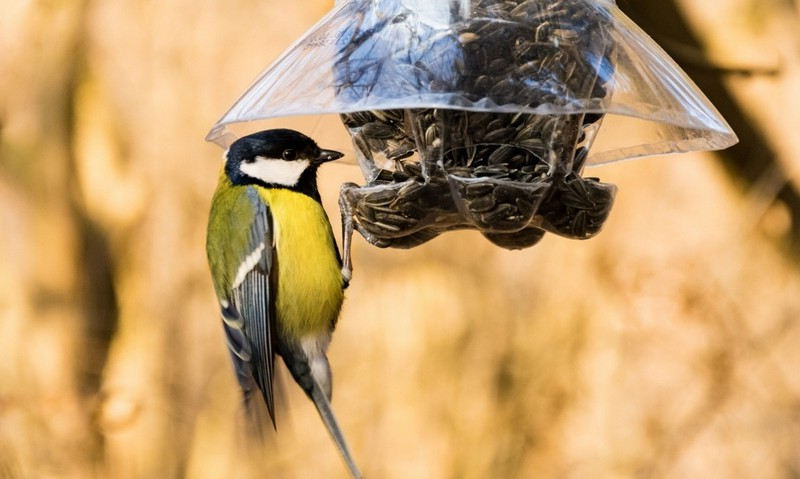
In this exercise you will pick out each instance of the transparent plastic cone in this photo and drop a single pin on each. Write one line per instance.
(413, 57)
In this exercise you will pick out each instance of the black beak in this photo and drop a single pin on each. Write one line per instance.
(328, 155)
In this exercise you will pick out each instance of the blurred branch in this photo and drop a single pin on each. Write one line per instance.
(753, 158)
(691, 56)
(94, 263)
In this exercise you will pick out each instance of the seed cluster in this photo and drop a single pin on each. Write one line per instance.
(511, 176)
(401, 210)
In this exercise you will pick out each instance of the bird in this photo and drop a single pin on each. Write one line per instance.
(276, 269)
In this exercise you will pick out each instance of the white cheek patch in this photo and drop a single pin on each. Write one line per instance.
(278, 172)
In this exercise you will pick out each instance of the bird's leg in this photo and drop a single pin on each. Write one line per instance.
(347, 231)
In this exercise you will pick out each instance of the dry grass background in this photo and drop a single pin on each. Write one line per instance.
(667, 347)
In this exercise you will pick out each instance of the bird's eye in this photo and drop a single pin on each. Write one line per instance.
(251, 159)
(289, 155)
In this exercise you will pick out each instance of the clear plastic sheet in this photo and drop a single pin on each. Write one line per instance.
(414, 57)
(482, 114)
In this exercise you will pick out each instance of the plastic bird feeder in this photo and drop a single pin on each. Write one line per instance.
(482, 114)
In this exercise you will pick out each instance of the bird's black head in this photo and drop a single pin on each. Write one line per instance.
(278, 159)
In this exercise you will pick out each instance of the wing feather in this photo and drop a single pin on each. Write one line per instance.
(253, 298)
(248, 309)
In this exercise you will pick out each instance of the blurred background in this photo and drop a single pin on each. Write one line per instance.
(666, 347)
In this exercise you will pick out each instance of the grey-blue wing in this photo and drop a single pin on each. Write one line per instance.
(249, 317)
(253, 299)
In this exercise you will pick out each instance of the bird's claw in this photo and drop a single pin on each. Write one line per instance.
(347, 275)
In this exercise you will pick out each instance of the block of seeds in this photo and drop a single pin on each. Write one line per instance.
(511, 169)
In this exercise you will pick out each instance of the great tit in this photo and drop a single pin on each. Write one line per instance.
(276, 268)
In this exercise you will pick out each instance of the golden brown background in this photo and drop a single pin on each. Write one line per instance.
(667, 347)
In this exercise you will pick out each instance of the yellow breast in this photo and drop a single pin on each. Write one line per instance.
(309, 294)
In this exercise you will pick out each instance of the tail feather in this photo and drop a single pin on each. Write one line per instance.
(326, 413)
